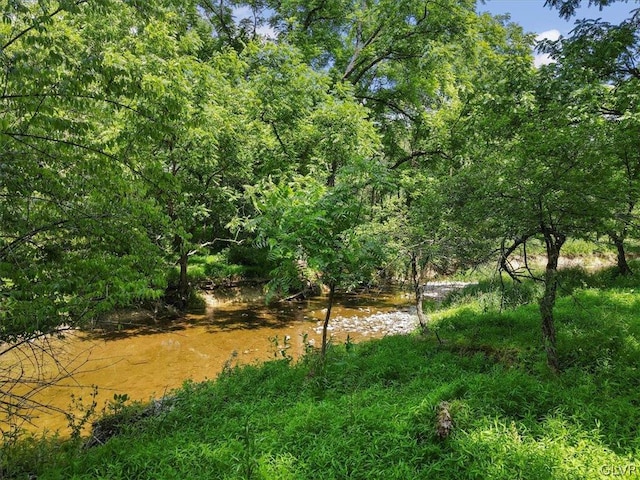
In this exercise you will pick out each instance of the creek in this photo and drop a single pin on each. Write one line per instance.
(146, 358)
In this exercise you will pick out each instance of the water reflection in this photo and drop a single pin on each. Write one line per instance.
(146, 358)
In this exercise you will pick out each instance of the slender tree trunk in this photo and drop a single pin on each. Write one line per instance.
(331, 179)
(419, 293)
(325, 325)
(183, 262)
(554, 242)
(183, 285)
(623, 266)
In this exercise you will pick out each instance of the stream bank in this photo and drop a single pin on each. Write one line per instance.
(148, 358)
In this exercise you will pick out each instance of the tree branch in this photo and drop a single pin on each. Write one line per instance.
(418, 154)
(36, 24)
(88, 97)
(505, 253)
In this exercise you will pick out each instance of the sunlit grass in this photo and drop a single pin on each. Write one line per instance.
(370, 410)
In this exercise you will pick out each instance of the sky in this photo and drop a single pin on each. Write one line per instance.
(535, 17)
(546, 23)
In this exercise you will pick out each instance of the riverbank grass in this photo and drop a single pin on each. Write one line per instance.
(371, 410)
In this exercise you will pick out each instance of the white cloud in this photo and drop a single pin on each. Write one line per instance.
(548, 35)
(267, 32)
(242, 12)
(543, 58)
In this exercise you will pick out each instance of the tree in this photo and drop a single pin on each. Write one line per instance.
(433, 239)
(621, 151)
(74, 238)
(316, 226)
(536, 142)
(77, 228)
(317, 234)
(409, 62)
(402, 58)
(189, 157)
(599, 53)
(567, 8)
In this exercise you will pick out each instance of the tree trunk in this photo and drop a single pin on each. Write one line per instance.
(325, 325)
(331, 179)
(183, 281)
(623, 266)
(419, 293)
(554, 242)
(183, 285)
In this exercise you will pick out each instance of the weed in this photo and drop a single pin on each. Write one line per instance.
(230, 364)
(281, 347)
(118, 404)
(80, 414)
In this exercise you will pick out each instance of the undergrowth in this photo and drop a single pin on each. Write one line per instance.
(369, 410)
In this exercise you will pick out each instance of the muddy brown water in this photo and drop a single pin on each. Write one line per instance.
(147, 359)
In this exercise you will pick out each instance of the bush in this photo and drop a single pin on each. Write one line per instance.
(255, 261)
(584, 248)
(494, 295)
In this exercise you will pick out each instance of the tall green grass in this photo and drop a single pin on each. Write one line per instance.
(369, 410)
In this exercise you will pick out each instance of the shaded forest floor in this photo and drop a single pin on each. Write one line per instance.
(372, 410)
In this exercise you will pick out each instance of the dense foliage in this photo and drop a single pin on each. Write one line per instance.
(341, 141)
